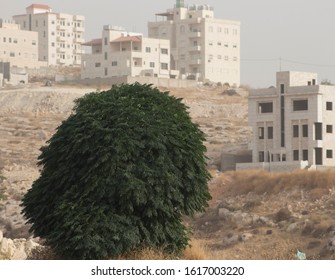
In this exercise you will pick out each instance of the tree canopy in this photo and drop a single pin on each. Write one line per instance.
(119, 174)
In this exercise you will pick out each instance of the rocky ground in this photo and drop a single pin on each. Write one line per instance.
(248, 226)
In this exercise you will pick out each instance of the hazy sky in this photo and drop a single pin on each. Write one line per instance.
(301, 32)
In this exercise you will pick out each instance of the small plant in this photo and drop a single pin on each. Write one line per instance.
(2, 190)
(118, 175)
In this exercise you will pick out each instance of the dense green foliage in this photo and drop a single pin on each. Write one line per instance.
(119, 174)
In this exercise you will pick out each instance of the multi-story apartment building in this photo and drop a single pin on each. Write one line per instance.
(120, 53)
(59, 35)
(202, 47)
(18, 47)
(293, 124)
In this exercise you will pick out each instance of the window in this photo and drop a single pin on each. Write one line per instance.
(114, 63)
(4, 39)
(295, 154)
(283, 157)
(329, 128)
(219, 43)
(97, 64)
(52, 44)
(304, 154)
(235, 46)
(265, 107)
(164, 51)
(148, 49)
(152, 64)
(219, 29)
(261, 133)
(329, 106)
(300, 105)
(15, 41)
(210, 29)
(105, 40)
(282, 88)
(219, 56)
(235, 58)
(226, 58)
(33, 43)
(295, 130)
(305, 130)
(329, 153)
(106, 71)
(106, 55)
(318, 131)
(270, 132)
(164, 66)
(261, 156)
(12, 54)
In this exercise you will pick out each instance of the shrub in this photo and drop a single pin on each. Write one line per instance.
(2, 190)
(118, 174)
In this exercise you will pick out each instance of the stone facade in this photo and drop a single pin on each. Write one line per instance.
(18, 47)
(59, 35)
(119, 53)
(203, 48)
(293, 122)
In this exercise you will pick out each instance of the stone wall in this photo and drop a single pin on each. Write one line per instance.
(161, 82)
(284, 166)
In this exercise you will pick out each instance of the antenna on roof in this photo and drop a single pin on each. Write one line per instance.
(180, 4)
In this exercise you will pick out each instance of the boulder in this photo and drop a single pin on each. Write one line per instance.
(246, 236)
(224, 213)
(19, 252)
(283, 214)
(7, 248)
(230, 239)
(293, 227)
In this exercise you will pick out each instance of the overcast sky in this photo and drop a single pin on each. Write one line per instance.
(301, 32)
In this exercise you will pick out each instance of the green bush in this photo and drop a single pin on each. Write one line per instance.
(119, 174)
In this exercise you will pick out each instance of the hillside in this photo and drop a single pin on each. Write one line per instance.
(251, 215)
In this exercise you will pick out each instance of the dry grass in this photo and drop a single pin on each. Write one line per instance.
(196, 251)
(318, 183)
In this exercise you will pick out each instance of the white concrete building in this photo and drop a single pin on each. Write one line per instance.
(202, 47)
(18, 47)
(119, 53)
(59, 35)
(293, 124)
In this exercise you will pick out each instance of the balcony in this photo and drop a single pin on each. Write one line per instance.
(79, 29)
(195, 49)
(79, 40)
(195, 61)
(61, 27)
(194, 34)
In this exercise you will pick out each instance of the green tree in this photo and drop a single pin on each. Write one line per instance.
(119, 174)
